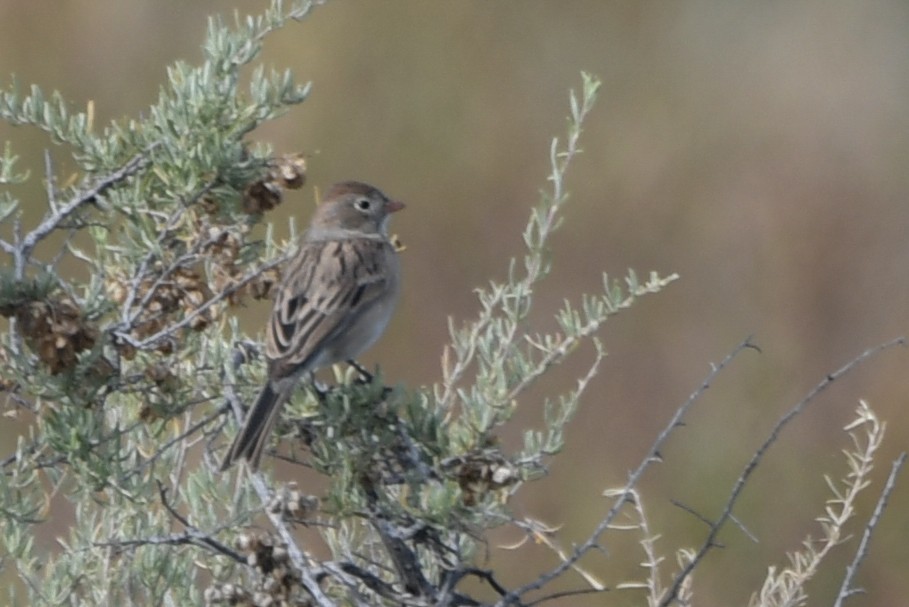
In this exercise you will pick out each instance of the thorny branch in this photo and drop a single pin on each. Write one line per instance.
(846, 589)
(22, 249)
(710, 541)
(192, 535)
(625, 494)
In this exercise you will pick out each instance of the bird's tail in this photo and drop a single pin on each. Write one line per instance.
(250, 441)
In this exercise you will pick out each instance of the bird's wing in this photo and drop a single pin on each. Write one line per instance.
(326, 286)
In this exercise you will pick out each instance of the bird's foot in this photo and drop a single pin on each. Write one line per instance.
(365, 376)
(320, 390)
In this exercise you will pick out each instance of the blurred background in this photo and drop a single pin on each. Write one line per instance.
(758, 149)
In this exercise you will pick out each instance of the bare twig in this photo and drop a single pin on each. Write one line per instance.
(50, 183)
(747, 532)
(193, 538)
(177, 439)
(846, 589)
(186, 320)
(710, 540)
(483, 574)
(562, 594)
(24, 248)
(7, 247)
(344, 570)
(192, 535)
(691, 511)
(625, 494)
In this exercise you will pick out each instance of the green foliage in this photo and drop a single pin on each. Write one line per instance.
(111, 370)
(130, 377)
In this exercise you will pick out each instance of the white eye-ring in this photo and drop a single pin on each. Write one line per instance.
(363, 204)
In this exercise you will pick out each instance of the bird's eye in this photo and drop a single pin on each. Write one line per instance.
(363, 204)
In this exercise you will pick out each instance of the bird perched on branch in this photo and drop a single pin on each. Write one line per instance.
(334, 301)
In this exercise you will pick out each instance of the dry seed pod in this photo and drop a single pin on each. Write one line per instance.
(261, 196)
(289, 171)
(478, 473)
(56, 331)
(116, 289)
(263, 285)
(200, 322)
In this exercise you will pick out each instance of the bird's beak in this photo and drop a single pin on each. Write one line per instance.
(393, 206)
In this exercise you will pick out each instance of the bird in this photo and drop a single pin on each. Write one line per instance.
(334, 301)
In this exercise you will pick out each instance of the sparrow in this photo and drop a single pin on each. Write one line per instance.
(334, 301)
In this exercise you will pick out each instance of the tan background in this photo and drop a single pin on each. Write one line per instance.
(758, 149)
